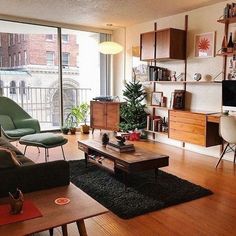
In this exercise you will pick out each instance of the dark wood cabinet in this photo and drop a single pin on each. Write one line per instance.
(105, 115)
(147, 46)
(170, 44)
(163, 44)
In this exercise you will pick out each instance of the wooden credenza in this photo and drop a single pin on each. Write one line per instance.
(194, 128)
(105, 115)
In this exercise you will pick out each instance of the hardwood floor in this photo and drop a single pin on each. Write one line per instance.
(212, 215)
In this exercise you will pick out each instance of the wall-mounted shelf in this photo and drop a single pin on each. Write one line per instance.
(227, 20)
(186, 82)
(229, 54)
(155, 132)
(161, 108)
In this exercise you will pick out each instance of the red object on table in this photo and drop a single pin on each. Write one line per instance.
(30, 211)
(135, 136)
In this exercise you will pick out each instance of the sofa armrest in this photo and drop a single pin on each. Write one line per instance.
(28, 123)
(34, 177)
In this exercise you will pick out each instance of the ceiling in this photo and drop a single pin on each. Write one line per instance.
(97, 13)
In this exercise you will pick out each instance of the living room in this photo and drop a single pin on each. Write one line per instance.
(209, 215)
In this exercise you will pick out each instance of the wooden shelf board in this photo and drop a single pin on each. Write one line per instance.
(161, 108)
(155, 132)
(185, 82)
(228, 54)
(227, 20)
(106, 164)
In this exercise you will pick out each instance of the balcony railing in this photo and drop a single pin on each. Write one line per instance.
(43, 104)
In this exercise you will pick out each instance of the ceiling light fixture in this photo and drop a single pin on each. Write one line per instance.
(110, 47)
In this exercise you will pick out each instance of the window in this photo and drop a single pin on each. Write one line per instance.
(14, 60)
(49, 37)
(22, 87)
(65, 38)
(9, 40)
(65, 58)
(12, 87)
(1, 84)
(13, 39)
(50, 57)
(18, 38)
(9, 61)
(19, 58)
(25, 57)
(24, 37)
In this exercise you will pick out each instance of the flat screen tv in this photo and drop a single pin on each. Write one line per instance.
(229, 95)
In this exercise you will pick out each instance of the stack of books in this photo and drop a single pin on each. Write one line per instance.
(121, 148)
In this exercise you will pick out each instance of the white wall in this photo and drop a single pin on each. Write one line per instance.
(203, 97)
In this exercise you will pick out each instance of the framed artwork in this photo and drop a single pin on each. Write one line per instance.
(140, 68)
(204, 45)
(179, 99)
(156, 98)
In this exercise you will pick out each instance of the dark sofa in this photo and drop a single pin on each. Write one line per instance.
(29, 176)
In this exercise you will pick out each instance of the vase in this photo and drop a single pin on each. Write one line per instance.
(16, 202)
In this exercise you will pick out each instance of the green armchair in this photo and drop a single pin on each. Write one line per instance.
(14, 121)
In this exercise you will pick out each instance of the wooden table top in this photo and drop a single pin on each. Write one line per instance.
(137, 156)
(81, 206)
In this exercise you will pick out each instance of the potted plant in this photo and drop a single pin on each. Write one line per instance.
(81, 113)
(71, 122)
(133, 114)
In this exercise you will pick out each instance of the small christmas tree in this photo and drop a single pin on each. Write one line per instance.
(133, 115)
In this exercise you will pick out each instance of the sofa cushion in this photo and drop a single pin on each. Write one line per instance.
(4, 143)
(24, 161)
(8, 159)
(6, 122)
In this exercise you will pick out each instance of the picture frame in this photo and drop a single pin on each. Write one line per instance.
(156, 98)
(171, 100)
(179, 99)
(204, 45)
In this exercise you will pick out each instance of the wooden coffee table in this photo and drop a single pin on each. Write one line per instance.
(129, 162)
(81, 207)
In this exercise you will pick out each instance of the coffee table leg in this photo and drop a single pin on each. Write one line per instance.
(86, 159)
(81, 227)
(64, 230)
(156, 174)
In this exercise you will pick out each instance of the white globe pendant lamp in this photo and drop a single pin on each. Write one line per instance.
(110, 48)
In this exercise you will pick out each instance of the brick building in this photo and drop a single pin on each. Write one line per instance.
(17, 50)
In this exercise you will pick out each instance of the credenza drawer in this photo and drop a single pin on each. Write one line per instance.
(191, 128)
(187, 117)
(188, 137)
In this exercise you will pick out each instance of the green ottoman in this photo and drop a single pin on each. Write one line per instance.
(44, 140)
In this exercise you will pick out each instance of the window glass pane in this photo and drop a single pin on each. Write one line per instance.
(29, 73)
(81, 68)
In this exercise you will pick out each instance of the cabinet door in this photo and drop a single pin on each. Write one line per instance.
(112, 116)
(147, 46)
(170, 44)
(98, 115)
(163, 44)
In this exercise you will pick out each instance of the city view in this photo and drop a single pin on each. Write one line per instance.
(29, 69)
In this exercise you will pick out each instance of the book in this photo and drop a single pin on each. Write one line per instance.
(125, 146)
(129, 149)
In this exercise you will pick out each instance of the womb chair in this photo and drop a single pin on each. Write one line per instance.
(228, 133)
(14, 121)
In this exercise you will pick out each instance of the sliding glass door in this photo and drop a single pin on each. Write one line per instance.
(48, 78)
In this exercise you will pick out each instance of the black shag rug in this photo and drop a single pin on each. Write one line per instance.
(142, 195)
